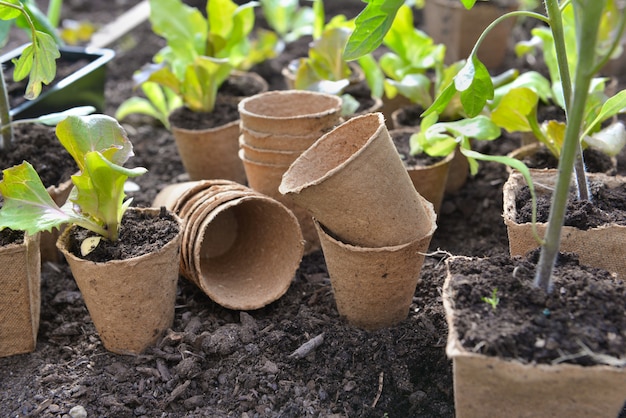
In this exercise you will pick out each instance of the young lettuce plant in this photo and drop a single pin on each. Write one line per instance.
(475, 87)
(288, 19)
(100, 147)
(324, 69)
(201, 52)
(37, 61)
(414, 65)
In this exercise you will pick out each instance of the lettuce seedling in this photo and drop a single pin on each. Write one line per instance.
(158, 103)
(288, 19)
(100, 147)
(201, 52)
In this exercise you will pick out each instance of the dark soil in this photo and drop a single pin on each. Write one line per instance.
(39, 145)
(401, 139)
(607, 207)
(220, 363)
(586, 310)
(140, 233)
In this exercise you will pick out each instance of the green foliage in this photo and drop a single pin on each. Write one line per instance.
(372, 24)
(288, 19)
(414, 66)
(100, 147)
(201, 52)
(492, 300)
(37, 61)
(325, 69)
(595, 112)
(158, 103)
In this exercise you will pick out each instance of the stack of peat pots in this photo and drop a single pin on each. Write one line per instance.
(373, 226)
(276, 127)
(240, 247)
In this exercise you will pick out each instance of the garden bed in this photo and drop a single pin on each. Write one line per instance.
(217, 362)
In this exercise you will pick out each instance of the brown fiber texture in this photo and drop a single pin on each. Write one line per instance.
(131, 302)
(266, 178)
(601, 247)
(20, 301)
(211, 153)
(374, 287)
(247, 251)
(239, 246)
(353, 182)
(290, 112)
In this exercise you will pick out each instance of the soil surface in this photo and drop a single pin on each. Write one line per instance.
(221, 363)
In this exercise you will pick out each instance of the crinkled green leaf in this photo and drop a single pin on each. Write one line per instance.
(81, 135)
(279, 14)
(610, 140)
(616, 104)
(530, 79)
(325, 55)
(27, 204)
(99, 189)
(415, 87)
(516, 109)
(183, 26)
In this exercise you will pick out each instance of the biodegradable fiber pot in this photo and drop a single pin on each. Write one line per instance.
(353, 182)
(240, 247)
(430, 179)
(20, 298)
(276, 127)
(211, 153)
(374, 286)
(131, 301)
(458, 170)
(485, 384)
(290, 112)
(48, 239)
(601, 247)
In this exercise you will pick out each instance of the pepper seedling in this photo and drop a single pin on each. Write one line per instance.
(100, 147)
(37, 61)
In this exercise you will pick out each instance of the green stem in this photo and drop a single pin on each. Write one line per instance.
(556, 26)
(587, 31)
(54, 12)
(505, 16)
(5, 116)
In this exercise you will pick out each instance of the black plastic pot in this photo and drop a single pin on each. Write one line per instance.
(84, 87)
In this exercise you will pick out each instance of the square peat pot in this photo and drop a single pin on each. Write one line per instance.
(83, 87)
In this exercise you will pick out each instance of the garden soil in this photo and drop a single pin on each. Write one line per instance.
(216, 362)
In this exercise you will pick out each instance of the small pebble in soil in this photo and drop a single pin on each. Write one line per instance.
(78, 412)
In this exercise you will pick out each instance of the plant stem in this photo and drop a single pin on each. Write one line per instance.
(54, 12)
(6, 136)
(556, 25)
(587, 24)
(505, 16)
